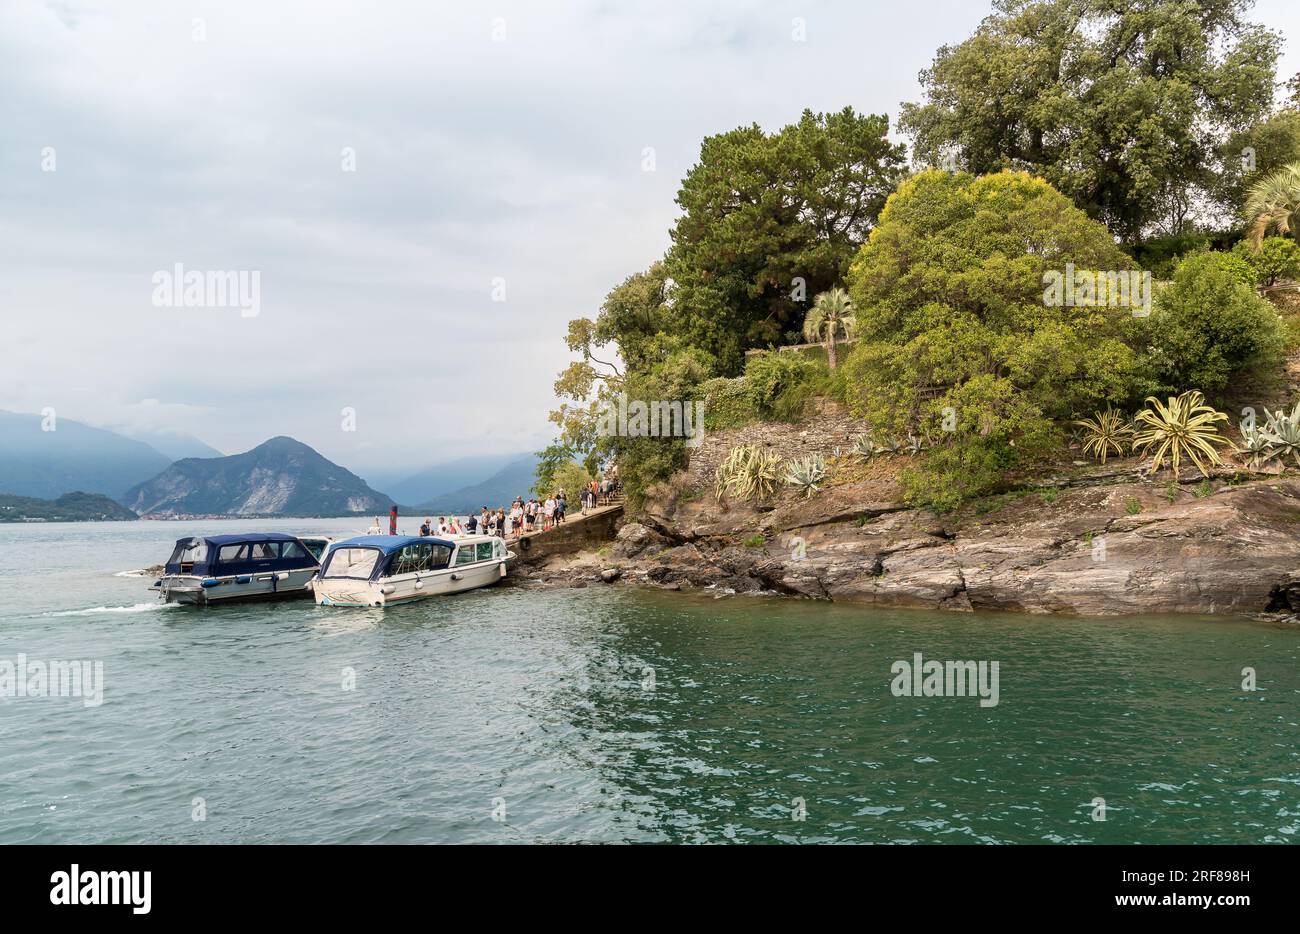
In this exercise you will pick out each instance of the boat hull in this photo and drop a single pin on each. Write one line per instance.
(240, 588)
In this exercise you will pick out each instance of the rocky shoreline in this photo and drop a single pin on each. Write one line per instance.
(1098, 543)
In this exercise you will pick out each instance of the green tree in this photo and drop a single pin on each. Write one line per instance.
(1210, 325)
(771, 219)
(956, 338)
(569, 476)
(551, 462)
(632, 331)
(1121, 105)
(829, 319)
(1255, 153)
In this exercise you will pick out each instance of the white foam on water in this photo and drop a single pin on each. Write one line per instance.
(94, 610)
(138, 572)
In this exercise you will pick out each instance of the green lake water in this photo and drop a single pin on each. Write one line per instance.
(522, 714)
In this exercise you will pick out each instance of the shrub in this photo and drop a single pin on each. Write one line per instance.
(726, 403)
(770, 373)
(1132, 506)
(1161, 255)
(1210, 325)
(1277, 258)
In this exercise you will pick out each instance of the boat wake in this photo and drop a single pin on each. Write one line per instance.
(92, 611)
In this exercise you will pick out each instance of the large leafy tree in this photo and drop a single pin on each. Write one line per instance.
(1121, 104)
(957, 340)
(770, 220)
(632, 347)
(1253, 154)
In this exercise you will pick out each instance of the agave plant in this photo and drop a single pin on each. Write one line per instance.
(889, 446)
(914, 445)
(1105, 432)
(1255, 445)
(1185, 427)
(864, 447)
(807, 474)
(1282, 434)
(747, 471)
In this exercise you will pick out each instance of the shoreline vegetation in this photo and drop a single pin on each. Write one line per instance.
(1076, 325)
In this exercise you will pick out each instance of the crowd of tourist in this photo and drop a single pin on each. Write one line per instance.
(526, 516)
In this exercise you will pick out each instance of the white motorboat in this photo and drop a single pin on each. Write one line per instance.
(382, 570)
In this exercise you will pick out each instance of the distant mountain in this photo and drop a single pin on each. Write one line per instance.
(514, 479)
(175, 445)
(73, 456)
(70, 507)
(443, 478)
(278, 477)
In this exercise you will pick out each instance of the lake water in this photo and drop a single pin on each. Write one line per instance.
(519, 714)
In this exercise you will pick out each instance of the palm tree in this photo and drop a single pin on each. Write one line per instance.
(1273, 203)
(830, 317)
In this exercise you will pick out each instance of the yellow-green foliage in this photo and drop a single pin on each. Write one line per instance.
(1105, 432)
(1182, 428)
(747, 472)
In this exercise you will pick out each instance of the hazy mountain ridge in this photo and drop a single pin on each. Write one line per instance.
(281, 476)
(514, 479)
(445, 478)
(47, 464)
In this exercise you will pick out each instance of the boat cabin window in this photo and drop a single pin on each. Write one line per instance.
(484, 551)
(266, 551)
(315, 545)
(465, 554)
(419, 556)
(352, 562)
(233, 553)
(498, 548)
(294, 550)
(189, 552)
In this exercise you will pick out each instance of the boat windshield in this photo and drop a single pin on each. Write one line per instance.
(189, 551)
(351, 562)
(419, 556)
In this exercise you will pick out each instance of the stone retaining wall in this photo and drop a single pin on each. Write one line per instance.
(577, 533)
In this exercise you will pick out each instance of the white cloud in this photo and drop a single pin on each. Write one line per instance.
(474, 159)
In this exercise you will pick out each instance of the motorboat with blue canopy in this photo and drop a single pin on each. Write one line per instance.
(381, 570)
(240, 566)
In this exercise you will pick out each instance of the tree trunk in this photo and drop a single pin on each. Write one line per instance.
(830, 352)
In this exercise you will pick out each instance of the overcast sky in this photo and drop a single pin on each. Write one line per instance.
(499, 141)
